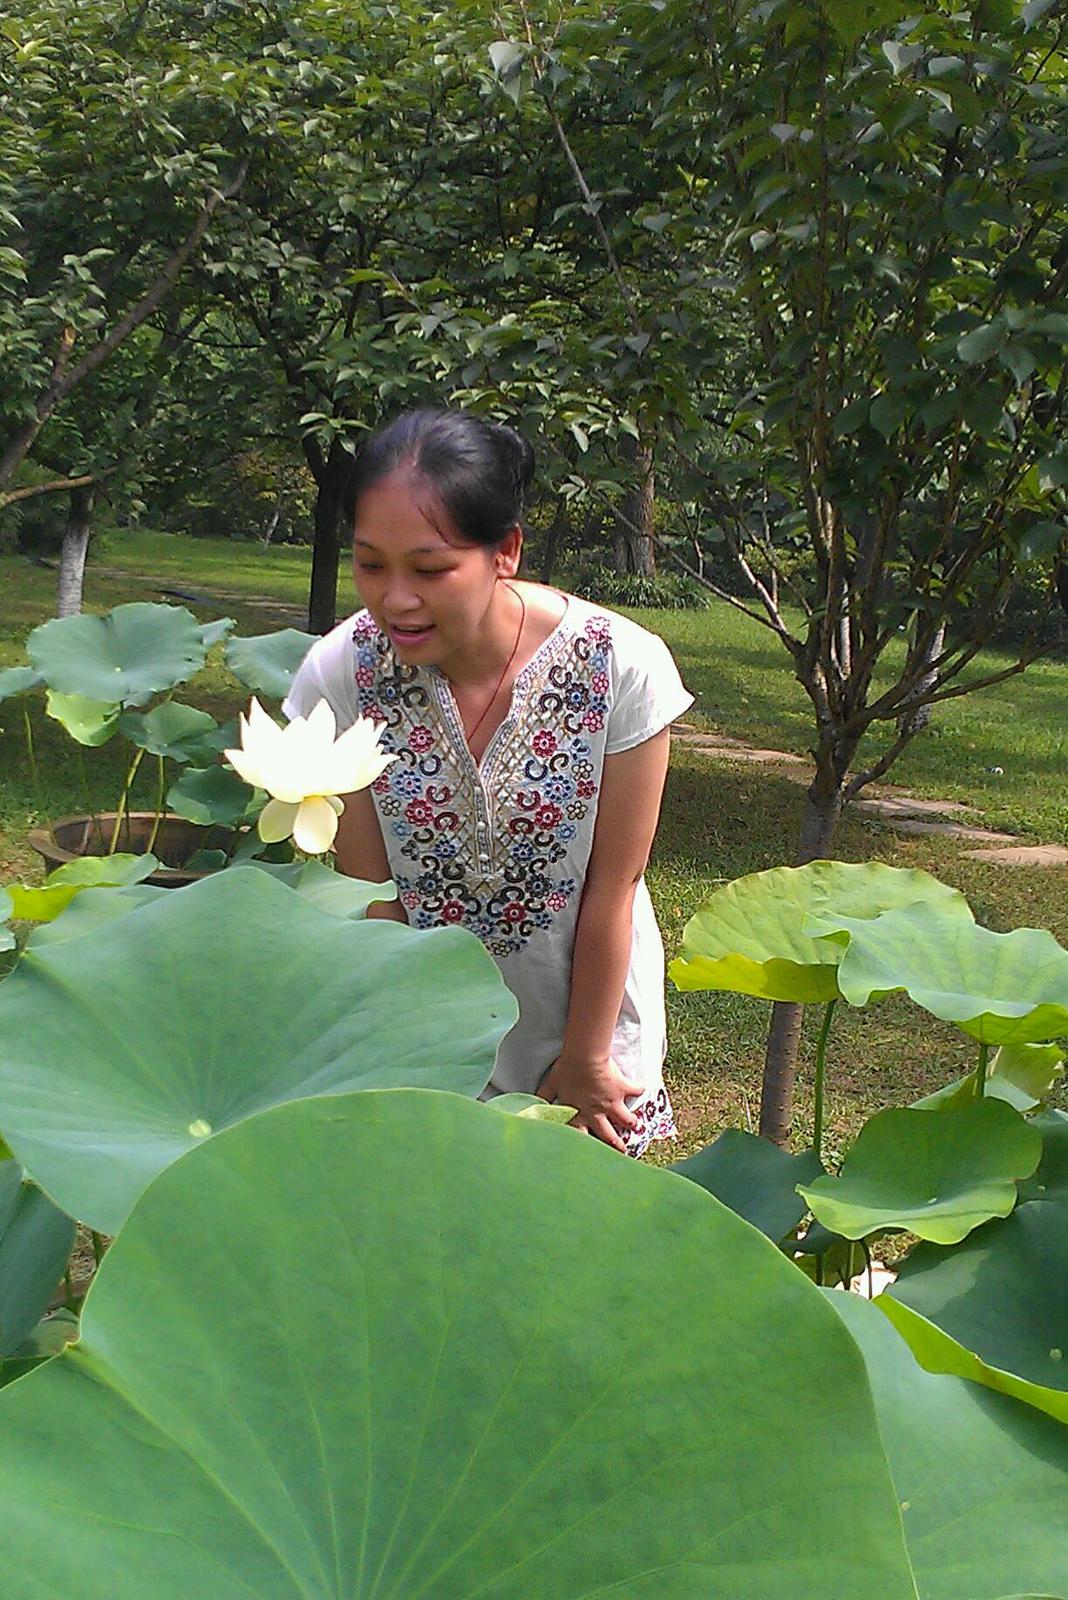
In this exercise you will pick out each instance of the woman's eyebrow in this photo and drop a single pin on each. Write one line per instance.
(418, 550)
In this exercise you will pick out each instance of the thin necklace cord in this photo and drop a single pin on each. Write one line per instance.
(470, 732)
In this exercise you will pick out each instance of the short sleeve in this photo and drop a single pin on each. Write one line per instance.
(649, 694)
(326, 673)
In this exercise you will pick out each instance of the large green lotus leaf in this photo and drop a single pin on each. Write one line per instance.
(125, 656)
(393, 1370)
(226, 997)
(1002, 988)
(91, 910)
(35, 1245)
(268, 663)
(936, 1176)
(1021, 1074)
(998, 1305)
(87, 721)
(330, 891)
(981, 1479)
(73, 878)
(181, 733)
(754, 1178)
(17, 680)
(210, 795)
(749, 936)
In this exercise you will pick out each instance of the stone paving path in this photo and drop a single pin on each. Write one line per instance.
(888, 804)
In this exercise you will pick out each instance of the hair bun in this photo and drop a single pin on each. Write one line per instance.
(520, 455)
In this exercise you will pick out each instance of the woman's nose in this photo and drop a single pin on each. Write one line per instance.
(399, 597)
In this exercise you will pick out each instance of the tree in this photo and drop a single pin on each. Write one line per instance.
(122, 141)
(868, 224)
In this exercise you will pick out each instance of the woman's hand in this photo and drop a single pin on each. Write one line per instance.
(598, 1091)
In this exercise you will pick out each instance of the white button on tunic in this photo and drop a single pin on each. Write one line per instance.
(501, 846)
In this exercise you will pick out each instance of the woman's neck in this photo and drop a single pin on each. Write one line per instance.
(499, 641)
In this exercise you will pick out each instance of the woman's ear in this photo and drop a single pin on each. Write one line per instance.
(509, 553)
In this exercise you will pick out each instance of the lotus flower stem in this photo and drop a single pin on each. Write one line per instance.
(161, 780)
(821, 1067)
(35, 775)
(124, 802)
(87, 800)
(980, 1071)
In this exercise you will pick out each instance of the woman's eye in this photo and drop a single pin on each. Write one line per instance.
(368, 566)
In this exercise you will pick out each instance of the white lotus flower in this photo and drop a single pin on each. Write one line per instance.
(305, 769)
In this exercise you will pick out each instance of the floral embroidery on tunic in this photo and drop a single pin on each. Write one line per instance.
(487, 855)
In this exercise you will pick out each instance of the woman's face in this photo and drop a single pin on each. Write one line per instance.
(427, 589)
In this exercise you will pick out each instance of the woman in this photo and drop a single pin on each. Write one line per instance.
(531, 734)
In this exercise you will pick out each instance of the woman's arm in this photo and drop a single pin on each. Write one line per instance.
(361, 852)
(628, 810)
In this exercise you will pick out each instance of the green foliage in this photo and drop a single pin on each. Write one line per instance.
(448, 1422)
(663, 591)
(188, 1043)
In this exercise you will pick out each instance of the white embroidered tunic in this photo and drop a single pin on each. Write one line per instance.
(501, 846)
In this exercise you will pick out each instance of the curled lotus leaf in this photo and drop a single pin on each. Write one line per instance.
(89, 722)
(215, 1002)
(965, 1541)
(213, 633)
(123, 657)
(177, 732)
(1021, 1074)
(532, 1107)
(267, 664)
(330, 891)
(211, 796)
(1002, 988)
(754, 1178)
(750, 936)
(998, 1303)
(935, 1176)
(91, 909)
(46, 901)
(50, 1336)
(36, 1240)
(1050, 1179)
(442, 1391)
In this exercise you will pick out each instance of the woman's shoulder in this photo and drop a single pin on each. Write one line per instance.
(628, 639)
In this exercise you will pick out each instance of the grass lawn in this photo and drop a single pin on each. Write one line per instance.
(720, 820)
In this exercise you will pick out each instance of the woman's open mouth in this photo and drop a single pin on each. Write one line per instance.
(408, 636)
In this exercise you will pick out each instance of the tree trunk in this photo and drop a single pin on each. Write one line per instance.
(72, 556)
(914, 718)
(633, 548)
(330, 475)
(560, 525)
(822, 810)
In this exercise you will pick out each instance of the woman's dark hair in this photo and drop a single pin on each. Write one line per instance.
(478, 471)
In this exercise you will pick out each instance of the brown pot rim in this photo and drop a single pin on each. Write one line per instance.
(44, 842)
